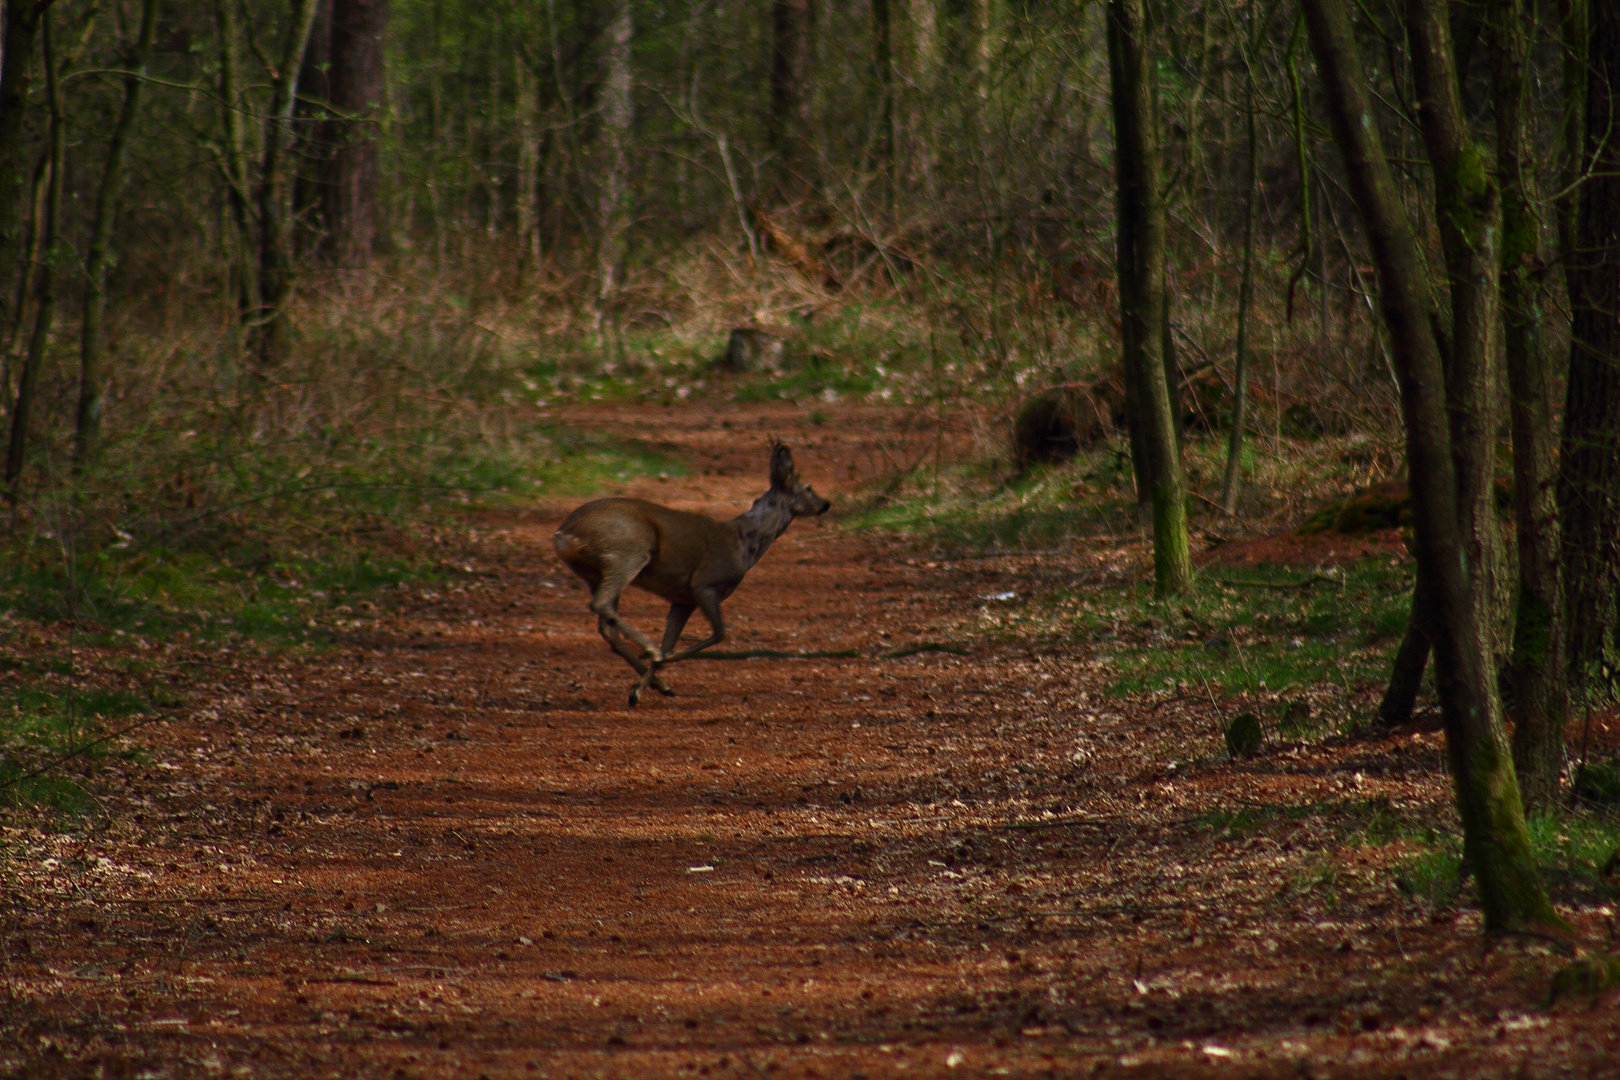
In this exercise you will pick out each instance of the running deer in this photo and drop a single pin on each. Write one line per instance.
(690, 560)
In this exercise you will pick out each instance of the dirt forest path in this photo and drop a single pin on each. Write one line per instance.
(445, 848)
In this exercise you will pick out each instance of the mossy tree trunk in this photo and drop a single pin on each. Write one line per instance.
(275, 233)
(1140, 223)
(1495, 837)
(1536, 673)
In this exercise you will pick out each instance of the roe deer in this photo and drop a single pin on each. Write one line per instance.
(690, 560)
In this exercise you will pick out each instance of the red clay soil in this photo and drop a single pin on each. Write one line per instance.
(1318, 549)
(446, 848)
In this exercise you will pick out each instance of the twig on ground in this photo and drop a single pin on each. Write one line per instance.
(1307, 583)
(833, 654)
(77, 750)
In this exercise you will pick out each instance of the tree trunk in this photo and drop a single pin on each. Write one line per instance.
(1536, 672)
(613, 208)
(1495, 837)
(93, 344)
(275, 236)
(1468, 212)
(45, 313)
(1139, 210)
(22, 24)
(925, 70)
(792, 48)
(357, 84)
(1572, 32)
(1240, 377)
(1406, 676)
(527, 90)
(1589, 484)
(883, 68)
(238, 181)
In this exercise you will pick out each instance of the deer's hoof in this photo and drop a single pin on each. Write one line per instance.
(635, 697)
(666, 691)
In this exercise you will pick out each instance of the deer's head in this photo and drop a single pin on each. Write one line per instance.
(802, 498)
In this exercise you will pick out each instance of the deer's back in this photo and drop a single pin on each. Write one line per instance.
(682, 548)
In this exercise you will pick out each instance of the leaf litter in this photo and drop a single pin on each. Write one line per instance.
(443, 847)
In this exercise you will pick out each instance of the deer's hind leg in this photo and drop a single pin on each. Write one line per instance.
(617, 643)
(617, 573)
(678, 614)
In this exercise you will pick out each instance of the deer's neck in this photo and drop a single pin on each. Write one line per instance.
(767, 519)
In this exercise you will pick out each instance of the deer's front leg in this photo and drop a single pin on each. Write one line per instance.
(709, 603)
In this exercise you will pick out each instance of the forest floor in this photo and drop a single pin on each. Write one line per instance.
(444, 847)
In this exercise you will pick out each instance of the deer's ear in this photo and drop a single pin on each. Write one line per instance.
(782, 473)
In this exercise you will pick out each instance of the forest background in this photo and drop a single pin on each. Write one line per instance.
(278, 275)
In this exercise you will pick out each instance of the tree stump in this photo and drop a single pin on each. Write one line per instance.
(1244, 736)
(1054, 425)
(750, 350)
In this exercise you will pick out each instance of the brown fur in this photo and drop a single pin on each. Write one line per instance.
(693, 561)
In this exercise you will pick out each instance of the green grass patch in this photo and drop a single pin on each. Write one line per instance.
(814, 380)
(1577, 849)
(1042, 508)
(1577, 855)
(38, 726)
(1238, 634)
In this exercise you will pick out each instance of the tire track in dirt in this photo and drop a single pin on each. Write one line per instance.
(446, 848)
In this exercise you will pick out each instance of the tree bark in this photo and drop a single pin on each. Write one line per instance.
(1495, 837)
(93, 341)
(23, 19)
(45, 312)
(1536, 672)
(1406, 675)
(238, 182)
(1572, 32)
(275, 235)
(357, 86)
(613, 207)
(1589, 483)
(792, 49)
(1139, 211)
(883, 68)
(1240, 376)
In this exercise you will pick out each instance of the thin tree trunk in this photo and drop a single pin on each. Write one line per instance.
(275, 235)
(1589, 483)
(357, 81)
(793, 30)
(1572, 32)
(1139, 210)
(1240, 377)
(23, 19)
(924, 78)
(45, 312)
(613, 209)
(883, 65)
(93, 344)
(1495, 837)
(1536, 673)
(527, 90)
(239, 187)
